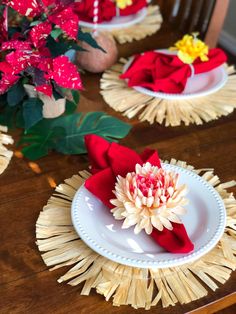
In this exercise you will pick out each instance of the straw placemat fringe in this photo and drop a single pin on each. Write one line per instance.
(130, 102)
(147, 27)
(5, 154)
(141, 288)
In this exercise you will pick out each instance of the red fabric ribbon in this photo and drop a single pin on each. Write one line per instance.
(111, 159)
(107, 9)
(166, 73)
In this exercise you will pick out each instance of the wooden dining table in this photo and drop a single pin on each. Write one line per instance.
(26, 284)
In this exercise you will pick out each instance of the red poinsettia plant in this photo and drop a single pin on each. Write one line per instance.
(32, 48)
(36, 37)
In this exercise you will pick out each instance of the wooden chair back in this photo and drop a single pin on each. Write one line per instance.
(204, 16)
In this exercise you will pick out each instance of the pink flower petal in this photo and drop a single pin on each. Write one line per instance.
(18, 60)
(39, 33)
(67, 20)
(45, 88)
(48, 2)
(16, 45)
(7, 81)
(65, 73)
(29, 8)
(5, 67)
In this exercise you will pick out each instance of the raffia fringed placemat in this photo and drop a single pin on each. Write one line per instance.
(149, 26)
(130, 102)
(61, 246)
(5, 154)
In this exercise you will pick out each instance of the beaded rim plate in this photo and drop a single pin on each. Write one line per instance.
(197, 86)
(119, 21)
(205, 222)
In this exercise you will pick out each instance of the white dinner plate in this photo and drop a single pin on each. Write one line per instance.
(205, 222)
(197, 86)
(119, 21)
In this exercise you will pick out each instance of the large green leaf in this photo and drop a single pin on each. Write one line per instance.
(15, 94)
(71, 106)
(7, 116)
(66, 134)
(40, 139)
(76, 96)
(32, 111)
(77, 126)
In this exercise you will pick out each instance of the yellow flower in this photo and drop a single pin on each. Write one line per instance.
(190, 48)
(122, 4)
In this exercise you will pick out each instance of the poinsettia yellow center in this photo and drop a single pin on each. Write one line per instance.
(122, 4)
(190, 48)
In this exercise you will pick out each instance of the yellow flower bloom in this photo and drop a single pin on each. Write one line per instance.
(190, 48)
(122, 4)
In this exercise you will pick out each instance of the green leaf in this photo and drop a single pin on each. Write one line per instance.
(15, 94)
(35, 151)
(32, 111)
(19, 119)
(70, 107)
(35, 23)
(41, 145)
(66, 133)
(78, 47)
(40, 139)
(77, 126)
(75, 95)
(57, 48)
(7, 116)
(88, 38)
(56, 32)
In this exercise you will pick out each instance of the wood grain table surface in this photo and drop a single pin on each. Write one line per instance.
(26, 285)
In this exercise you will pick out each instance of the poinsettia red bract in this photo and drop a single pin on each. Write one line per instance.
(67, 20)
(45, 89)
(39, 33)
(65, 73)
(7, 81)
(16, 45)
(30, 8)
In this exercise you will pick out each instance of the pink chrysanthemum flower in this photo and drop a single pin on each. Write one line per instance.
(147, 198)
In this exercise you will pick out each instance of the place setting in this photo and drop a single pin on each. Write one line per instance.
(132, 218)
(125, 20)
(187, 83)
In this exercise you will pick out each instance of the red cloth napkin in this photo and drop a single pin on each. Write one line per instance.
(111, 159)
(167, 73)
(107, 9)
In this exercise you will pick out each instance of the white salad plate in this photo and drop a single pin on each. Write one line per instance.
(118, 21)
(205, 222)
(198, 85)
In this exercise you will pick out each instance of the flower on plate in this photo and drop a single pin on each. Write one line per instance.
(149, 197)
(122, 4)
(190, 48)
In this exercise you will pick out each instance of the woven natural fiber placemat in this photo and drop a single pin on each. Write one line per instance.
(61, 246)
(5, 154)
(198, 110)
(147, 27)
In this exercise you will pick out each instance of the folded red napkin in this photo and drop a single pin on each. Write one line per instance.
(166, 73)
(107, 9)
(108, 160)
